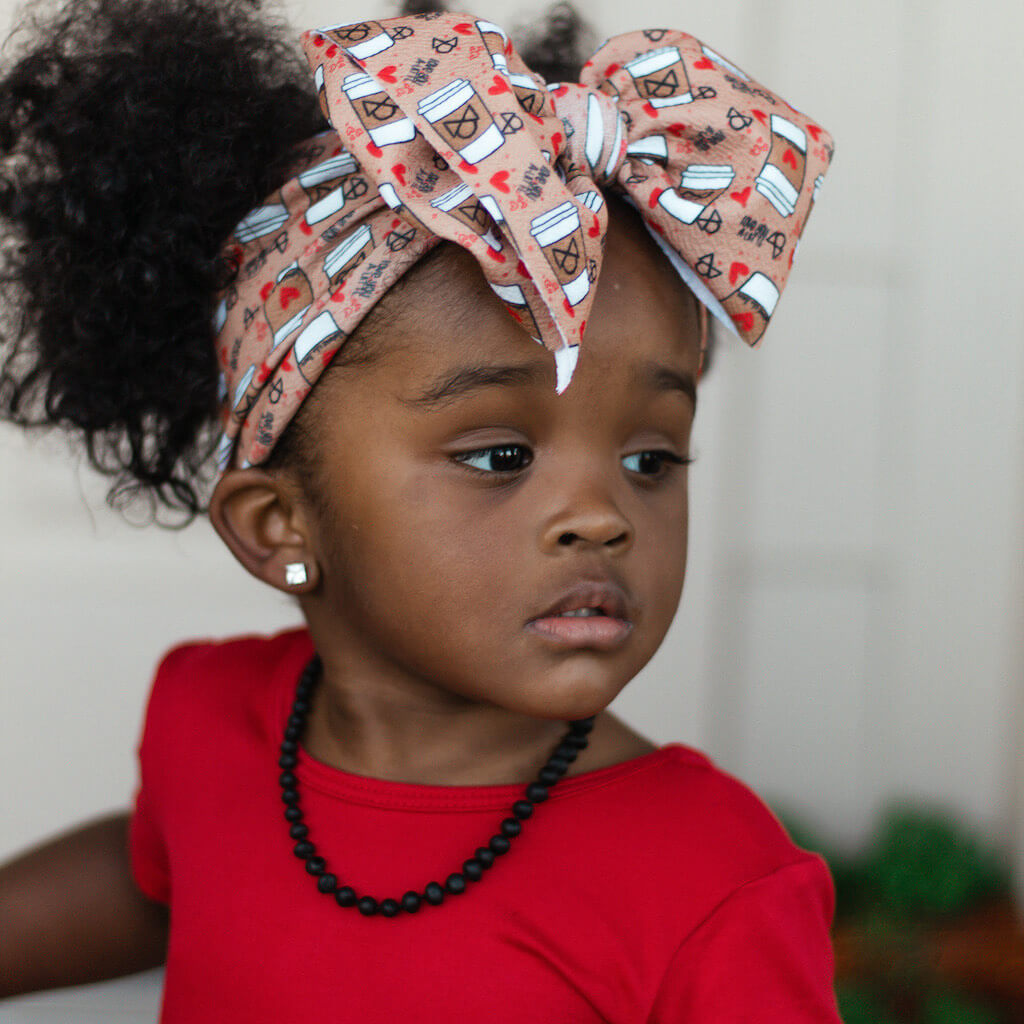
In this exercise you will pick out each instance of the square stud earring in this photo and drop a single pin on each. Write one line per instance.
(295, 574)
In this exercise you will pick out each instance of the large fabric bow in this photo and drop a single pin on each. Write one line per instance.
(442, 132)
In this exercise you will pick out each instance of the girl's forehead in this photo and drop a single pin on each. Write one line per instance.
(640, 300)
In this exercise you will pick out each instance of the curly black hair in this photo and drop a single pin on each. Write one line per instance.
(134, 135)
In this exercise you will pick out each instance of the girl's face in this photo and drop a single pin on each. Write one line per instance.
(461, 505)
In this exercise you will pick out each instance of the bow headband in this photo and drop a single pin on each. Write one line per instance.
(440, 131)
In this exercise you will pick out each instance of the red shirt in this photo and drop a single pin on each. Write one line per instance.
(659, 889)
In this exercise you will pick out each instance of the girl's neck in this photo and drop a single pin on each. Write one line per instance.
(475, 746)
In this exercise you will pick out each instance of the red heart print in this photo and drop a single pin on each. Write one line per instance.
(583, 327)
(464, 28)
(568, 308)
(500, 181)
(556, 142)
(652, 200)
(286, 295)
(789, 157)
(705, 64)
(286, 364)
(741, 197)
(318, 41)
(500, 86)
(559, 92)
(398, 170)
(744, 321)
(595, 228)
(649, 109)
(374, 150)
(305, 227)
(611, 69)
(736, 270)
(815, 131)
(266, 290)
(676, 129)
(496, 254)
(338, 296)
(761, 116)
(388, 74)
(331, 51)
(465, 165)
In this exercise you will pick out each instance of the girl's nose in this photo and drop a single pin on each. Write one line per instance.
(591, 519)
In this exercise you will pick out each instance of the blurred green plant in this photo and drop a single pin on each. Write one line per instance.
(921, 868)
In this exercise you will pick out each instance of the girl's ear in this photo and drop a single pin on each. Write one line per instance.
(258, 516)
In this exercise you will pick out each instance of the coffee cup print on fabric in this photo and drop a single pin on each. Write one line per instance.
(752, 304)
(513, 297)
(782, 176)
(319, 339)
(473, 213)
(495, 40)
(390, 196)
(532, 97)
(362, 39)
(377, 111)
(348, 254)
(559, 234)
(265, 220)
(322, 184)
(287, 302)
(699, 186)
(660, 77)
(461, 119)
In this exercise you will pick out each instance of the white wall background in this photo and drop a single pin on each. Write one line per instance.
(852, 624)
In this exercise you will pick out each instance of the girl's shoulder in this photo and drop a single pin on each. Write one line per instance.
(206, 682)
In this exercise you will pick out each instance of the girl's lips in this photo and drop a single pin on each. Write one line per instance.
(601, 632)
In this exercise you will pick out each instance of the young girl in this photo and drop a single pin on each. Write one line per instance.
(417, 808)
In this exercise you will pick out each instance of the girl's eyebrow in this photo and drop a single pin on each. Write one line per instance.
(458, 384)
(656, 377)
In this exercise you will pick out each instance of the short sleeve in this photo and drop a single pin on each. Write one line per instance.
(763, 956)
(147, 848)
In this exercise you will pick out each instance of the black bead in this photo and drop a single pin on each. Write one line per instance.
(536, 793)
(484, 855)
(390, 908)
(499, 845)
(473, 869)
(345, 896)
(582, 726)
(367, 906)
(287, 761)
(510, 827)
(303, 849)
(300, 706)
(316, 865)
(295, 721)
(299, 831)
(522, 809)
(455, 884)
(327, 883)
(411, 902)
(433, 893)
(565, 752)
(290, 796)
(287, 780)
(293, 813)
(577, 741)
(558, 764)
(548, 776)
(289, 746)
(291, 735)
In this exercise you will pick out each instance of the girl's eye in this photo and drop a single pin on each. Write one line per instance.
(502, 458)
(652, 463)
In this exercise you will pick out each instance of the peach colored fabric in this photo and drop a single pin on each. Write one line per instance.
(440, 131)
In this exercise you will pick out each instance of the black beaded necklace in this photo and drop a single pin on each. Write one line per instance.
(575, 740)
